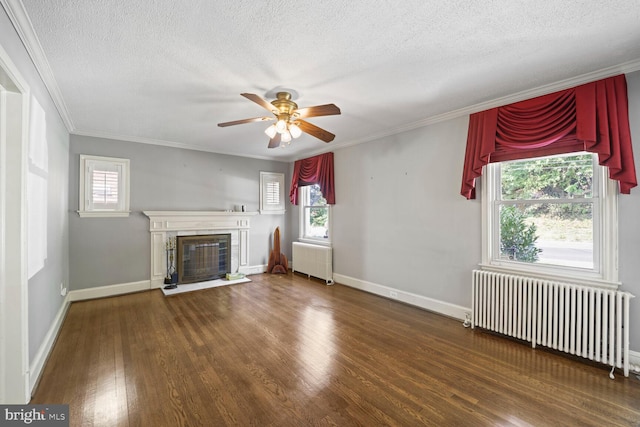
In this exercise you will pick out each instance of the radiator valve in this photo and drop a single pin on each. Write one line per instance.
(467, 320)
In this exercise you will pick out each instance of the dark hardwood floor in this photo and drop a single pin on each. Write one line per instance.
(287, 351)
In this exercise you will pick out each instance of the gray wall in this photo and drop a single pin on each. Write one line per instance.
(108, 251)
(49, 165)
(399, 220)
(629, 218)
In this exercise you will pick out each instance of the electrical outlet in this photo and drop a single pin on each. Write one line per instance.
(63, 290)
(393, 294)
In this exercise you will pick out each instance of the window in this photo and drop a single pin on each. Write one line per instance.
(271, 193)
(554, 215)
(104, 186)
(315, 215)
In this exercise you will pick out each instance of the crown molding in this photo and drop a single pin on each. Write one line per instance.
(624, 68)
(172, 144)
(23, 26)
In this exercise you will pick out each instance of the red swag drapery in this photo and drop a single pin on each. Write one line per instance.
(314, 170)
(592, 117)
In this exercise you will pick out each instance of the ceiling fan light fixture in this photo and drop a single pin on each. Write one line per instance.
(295, 130)
(286, 136)
(271, 131)
(281, 126)
(289, 119)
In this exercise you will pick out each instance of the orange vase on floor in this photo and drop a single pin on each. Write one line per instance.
(277, 261)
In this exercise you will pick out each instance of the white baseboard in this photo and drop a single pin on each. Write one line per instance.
(447, 309)
(440, 307)
(634, 361)
(109, 291)
(253, 269)
(37, 365)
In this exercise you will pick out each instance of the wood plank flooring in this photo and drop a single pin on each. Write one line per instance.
(287, 351)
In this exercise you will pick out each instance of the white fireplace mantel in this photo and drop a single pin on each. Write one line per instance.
(165, 224)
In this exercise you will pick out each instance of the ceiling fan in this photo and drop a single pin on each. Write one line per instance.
(289, 119)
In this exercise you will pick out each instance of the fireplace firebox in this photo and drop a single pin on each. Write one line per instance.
(203, 257)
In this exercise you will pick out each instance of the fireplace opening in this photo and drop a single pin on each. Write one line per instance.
(202, 258)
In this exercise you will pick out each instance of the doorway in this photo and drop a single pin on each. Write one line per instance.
(14, 337)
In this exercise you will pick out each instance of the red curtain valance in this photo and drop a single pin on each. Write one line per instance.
(314, 170)
(592, 117)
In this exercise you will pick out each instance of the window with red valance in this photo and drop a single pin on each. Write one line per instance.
(592, 117)
(314, 170)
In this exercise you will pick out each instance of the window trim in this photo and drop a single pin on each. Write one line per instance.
(84, 209)
(604, 275)
(302, 196)
(265, 179)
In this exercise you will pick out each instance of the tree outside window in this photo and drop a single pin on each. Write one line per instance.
(315, 215)
(546, 210)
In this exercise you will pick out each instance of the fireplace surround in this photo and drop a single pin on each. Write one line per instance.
(170, 224)
(203, 257)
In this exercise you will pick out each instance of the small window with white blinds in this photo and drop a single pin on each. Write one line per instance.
(104, 186)
(271, 193)
(105, 181)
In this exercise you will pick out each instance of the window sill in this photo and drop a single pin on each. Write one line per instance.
(272, 212)
(581, 279)
(98, 214)
(314, 242)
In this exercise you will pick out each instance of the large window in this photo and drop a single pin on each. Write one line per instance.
(553, 215)
(104, 186)
(315, 215)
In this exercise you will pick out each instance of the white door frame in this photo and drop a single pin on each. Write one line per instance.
(14, 333)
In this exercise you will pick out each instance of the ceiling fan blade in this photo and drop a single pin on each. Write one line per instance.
(275, 141)
(318, 110)
(261, 102)
(239, 122)
(314, 130)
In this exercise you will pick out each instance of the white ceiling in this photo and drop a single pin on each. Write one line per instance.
(166, 72)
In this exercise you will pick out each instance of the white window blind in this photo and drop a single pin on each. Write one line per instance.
(104, 186)
(271, 193)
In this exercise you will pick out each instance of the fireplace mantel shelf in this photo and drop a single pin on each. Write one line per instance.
(194, 220)
(196, 213)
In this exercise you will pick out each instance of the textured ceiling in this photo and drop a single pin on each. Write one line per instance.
(165, 71)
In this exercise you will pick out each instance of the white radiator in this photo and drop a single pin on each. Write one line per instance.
(313, 260)
(584, 321)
